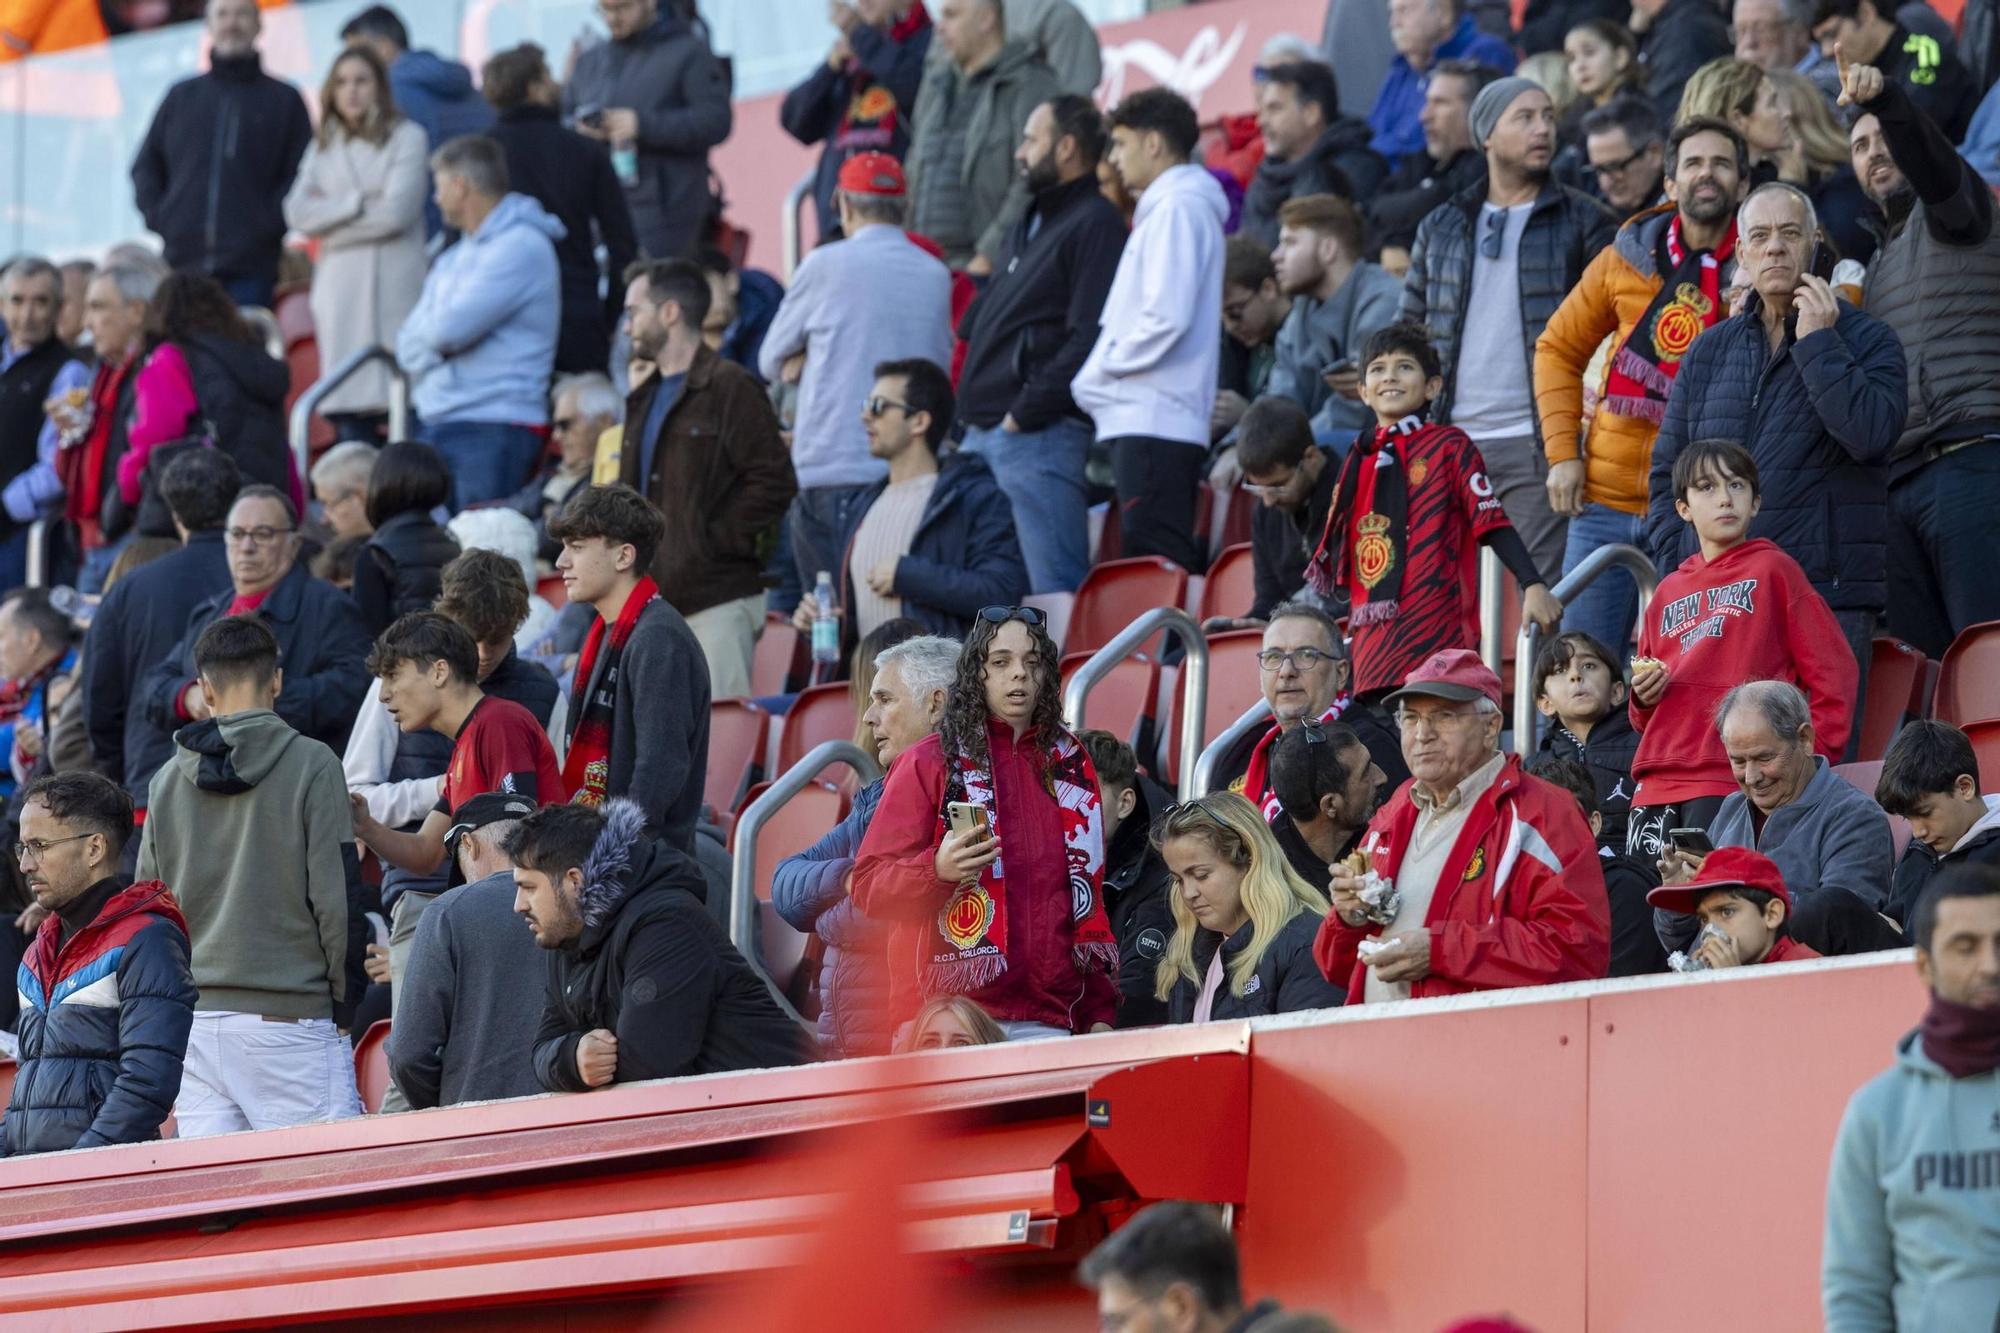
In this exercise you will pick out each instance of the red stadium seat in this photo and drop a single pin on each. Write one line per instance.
(1234, 684)
(797, 825)
(552, 591)
(737, 730)
(1123, 699)
(8, 1068)
(1968, 686)
(1985, 738)
(371, 1064)
(820, 714)
(1236, 519)
(1894, 677)
(780, 658)
(1231, 586)
(1116, 594)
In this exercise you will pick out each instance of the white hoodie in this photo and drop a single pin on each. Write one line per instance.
(1153, 369)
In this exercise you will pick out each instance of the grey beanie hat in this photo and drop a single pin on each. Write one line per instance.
(1492, 103)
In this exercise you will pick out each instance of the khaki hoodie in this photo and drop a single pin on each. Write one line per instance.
(249, 826)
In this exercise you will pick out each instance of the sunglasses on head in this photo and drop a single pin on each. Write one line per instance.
(1000, 615)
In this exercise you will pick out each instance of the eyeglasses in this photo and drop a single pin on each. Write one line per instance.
(1622, 165)
(1000, 615)
(258, 536)
(1271, 488)
(1439, 721)
(881, 407)
(34, 849)
(1496, 233)
(1300, 659)
(561, 424)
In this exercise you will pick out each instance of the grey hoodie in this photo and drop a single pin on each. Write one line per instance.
(1913, 1203)
(1317, 334)
(249, 826)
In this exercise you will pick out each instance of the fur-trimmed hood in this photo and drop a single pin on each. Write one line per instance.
(623, 864)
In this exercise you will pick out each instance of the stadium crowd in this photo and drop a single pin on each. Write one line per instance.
(292, 750)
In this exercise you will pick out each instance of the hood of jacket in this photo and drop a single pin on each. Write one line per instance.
(1190, 180)
(261, 376)
(1983, 828)
(446, 80)
(518, 212)
(149, 895)
(230, 755)
(625, 864)
(1730, 558)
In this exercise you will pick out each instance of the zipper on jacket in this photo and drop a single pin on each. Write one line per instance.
(223, 148)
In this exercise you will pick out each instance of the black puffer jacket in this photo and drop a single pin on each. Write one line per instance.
(1135, 898)
(401, 569)
(1339, 162)
(1286, 981)
(1566, 228)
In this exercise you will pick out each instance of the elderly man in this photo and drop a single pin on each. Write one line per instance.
(1829, 840)
(221, 152)
(582, 408)
(1309, 147)
(1425, 33)
(1818, 393)
(114, 315)
(340, 487)
(1941, 253)
(1777, 35)
(34, 368)
(1625, 146)
(810, 889)
(1496, 874)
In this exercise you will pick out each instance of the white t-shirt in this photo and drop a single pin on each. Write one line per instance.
(1492, 398)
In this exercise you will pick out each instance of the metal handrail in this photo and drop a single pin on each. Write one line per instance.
(1193, 681)
(315, 394)
(1492, 615)
(38, 554)
(1595, 565)
(749, 824)
(791, 234)
(1255, 718)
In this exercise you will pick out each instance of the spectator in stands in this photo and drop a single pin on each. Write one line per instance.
(1635, 946)
(1425, 33)
(35, 369)
(1253, 310)
(1172, 1266)
(1469, 916)
(1741, 898)
(1623, 146)
(1149, 383)
(1857, 32)
(742, 304)
(37, 671)
(1292, 478)
(1309, 147)
(1061, 36)
(70, 324)
(1601, 56)
(658, 98)
(253, 827)
(482, 340)
(1244, 921)
(706, 450)
(507, 533)
(642, 983)
(1339, 302)
(1486, 274)
(461, 1032)
(858, 100)
(1002, 747)
(319, 632)
(1030, 331)
(106, 995)
(641, 673)
(876, 297)
(1738, 610)
(1676, 38)
(1777, 35)
(1581, 690)
(1816, 392)
(1651, 291)
(210, 178)
(1328, 787)
(141, 619)
(96, 430)
(582, 408)
(400, 569)
(811, 890)
(360, 195)
(1135, 878)
(565, 174)
(1937, 254)
(432, 91)
(1911, 1176)
(1831, 842)
(950, 1023)
(1931, 778)
(340, 487)
(1447, 165)
(965, 193)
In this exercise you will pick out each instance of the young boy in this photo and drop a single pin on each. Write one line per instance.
(1741, 894)
(1737, 610)
(1411, 507)
(429, 668)
(1635, 945)
(1135, 879)
(1579, 689)
(1931, 778)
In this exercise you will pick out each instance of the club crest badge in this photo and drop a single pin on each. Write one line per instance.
(1419, 469)
(1477, 867)
(965, 919)
(1374, 553)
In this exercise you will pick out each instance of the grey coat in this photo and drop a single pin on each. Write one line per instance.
(992, 106)
(1317, 334)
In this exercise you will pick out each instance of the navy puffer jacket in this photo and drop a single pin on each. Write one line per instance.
(104, 1026)
(810, 891)
(1820, 417)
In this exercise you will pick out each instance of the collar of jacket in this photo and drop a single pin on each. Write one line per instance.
(282, 605)
(1206, 942)
(1053, 202)
(1638, 238)
(205, 537)
(1473, 198)
(236, 69)
(528, 111)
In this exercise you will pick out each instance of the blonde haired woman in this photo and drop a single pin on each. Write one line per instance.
(948, 1023)
(1244, 921)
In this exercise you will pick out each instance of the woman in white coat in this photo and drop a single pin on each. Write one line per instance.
(360, 193)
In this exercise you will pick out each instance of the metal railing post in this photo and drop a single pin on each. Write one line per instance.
(1255, 718)
(1492, 616)
(309, 401)
(1595, 565)
(791, 234)
(1193, 678)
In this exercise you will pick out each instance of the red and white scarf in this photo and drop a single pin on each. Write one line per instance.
(1257, 778)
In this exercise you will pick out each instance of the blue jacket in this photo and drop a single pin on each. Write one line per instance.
(1820, 419)
(104, 1022)
(438, 94)
(810, 892)
(1398, 131)
(482, 341)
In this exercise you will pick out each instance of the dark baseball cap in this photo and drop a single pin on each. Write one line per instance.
(489, 807)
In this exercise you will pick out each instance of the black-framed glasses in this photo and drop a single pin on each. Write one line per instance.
(1301, 659)
(1622, 165)
(34, 849)
(257, 536)
(1000, 615)
(879, 406)
(1496, 233)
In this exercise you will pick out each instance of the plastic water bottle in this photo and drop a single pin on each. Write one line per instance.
(826, 622)
(73, 604)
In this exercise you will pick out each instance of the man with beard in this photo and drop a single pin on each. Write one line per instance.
(1936, 283)
(1338, 300)
(1328, 786)
(1448, 164)
(1486, 274)
(1309, 147)
(1651, 291)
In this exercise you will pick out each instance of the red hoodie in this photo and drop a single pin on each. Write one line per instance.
(1751, 615)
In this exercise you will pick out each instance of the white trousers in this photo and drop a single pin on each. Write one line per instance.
(245, 1071)
(728, 638)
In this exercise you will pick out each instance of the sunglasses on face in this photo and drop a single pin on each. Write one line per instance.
(881, 407)
(1000, 615)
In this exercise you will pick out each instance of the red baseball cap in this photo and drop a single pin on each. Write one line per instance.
(872, 173)
(1456, 674)
(1725, 868)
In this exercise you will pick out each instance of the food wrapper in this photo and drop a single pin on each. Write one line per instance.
(1369, 948)
(1690, 961)
(1378, 895)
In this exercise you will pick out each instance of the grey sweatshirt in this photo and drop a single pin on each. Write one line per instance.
(249, 826)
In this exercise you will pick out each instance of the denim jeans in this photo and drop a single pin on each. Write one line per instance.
(817, 526)
(489, 460)
(252, 291)
(1944, 547)
(14, 560)
(1605, 610)
(1042, 474)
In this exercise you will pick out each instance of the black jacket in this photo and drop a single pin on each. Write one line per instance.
(1302, 857)
(1280, 542)
(212, 174)
(1135, 898)
(1286, 981)
(24, 388)
(862, 108)
(1608, 755)
(1920, 863)
(401, 569)
(240, 391)
(1370, 722)
(1546, 22)
(1635, 944)
(1032, 327)
(1338, 162)
(573, 179)
(137, 625)
(1683, 37)
(1418, 185)
(654, 968)
(1935, 80)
